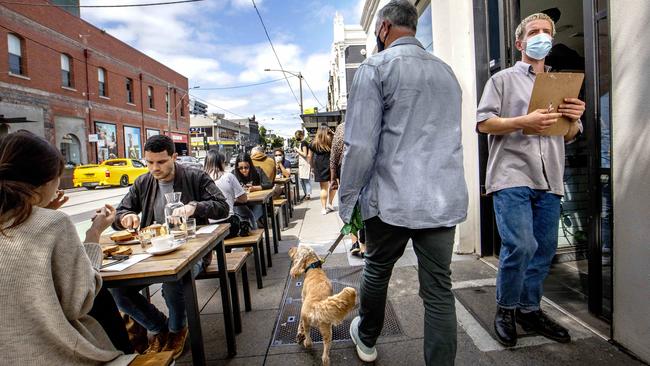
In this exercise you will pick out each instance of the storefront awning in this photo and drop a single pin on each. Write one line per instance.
(4, 119)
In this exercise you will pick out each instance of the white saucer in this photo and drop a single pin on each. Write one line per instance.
(154, 251)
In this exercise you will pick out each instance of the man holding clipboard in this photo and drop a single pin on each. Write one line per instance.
(525, 177)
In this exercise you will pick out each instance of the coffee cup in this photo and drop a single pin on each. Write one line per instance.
(162, 242)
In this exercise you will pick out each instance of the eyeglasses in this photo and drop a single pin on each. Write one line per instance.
(244, 168)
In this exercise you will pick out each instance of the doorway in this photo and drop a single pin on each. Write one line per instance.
(580, 278)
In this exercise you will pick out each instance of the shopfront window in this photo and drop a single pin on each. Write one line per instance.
(71, 150)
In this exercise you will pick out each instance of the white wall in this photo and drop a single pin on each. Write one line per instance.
(631, 174)
(453, 42)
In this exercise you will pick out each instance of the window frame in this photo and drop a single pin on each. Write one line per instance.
(21, 57)
(102, 84)
(129, 90)
(150, 97)
(67, 74)
(167, 103)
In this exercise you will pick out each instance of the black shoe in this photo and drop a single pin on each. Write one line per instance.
(504, 326)
(355, 250)
(538, 322)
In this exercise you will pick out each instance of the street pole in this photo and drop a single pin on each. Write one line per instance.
(169, 115)
(302, 109)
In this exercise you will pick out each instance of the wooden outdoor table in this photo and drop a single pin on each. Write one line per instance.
(176, 266)
(286, 182)
(264, 198)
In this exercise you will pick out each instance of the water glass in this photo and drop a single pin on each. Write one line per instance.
(191, 227)
(177, 227)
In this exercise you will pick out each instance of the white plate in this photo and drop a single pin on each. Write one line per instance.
(129, 242)
(154, 251)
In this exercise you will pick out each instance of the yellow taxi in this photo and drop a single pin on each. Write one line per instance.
(111, 172)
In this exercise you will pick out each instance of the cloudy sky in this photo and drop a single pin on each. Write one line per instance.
(221, 43)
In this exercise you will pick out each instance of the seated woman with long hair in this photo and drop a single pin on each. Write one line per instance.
(229, 185)
(48, 278)
(253, 179)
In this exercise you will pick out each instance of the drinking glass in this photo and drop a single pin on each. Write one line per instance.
(177, 227)
(191, 228)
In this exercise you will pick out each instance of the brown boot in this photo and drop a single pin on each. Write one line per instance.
(137, 334)
(157, 342)
(176, 342)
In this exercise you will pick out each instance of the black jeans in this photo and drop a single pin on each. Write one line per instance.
(385, 244)
(105, 312)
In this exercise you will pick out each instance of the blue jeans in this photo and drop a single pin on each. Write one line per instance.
(131, 302)
(528, 222)
(250, 213)
(306, 186)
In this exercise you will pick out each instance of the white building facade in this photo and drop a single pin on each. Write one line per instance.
(348, 52)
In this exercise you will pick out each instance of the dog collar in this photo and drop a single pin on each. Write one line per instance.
(317, 264)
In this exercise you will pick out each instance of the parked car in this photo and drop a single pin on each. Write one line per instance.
(189, 161)
(112, 172)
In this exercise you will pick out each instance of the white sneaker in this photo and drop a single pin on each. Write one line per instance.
(324, 211)
(366, 354)
(330, 208)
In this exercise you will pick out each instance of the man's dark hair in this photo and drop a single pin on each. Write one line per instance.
(160, 143)
(400, 13)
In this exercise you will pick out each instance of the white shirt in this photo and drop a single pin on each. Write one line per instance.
(231, 189)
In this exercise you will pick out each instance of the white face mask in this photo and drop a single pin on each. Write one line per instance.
(278, 159)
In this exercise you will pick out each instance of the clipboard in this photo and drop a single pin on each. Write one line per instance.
(550, 89)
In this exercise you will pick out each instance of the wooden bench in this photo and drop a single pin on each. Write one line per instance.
(283, 204)
(254, 241)
(236, 262)
(153, 359)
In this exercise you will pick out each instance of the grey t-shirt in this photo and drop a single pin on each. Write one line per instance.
(515, 159)
(160, 202)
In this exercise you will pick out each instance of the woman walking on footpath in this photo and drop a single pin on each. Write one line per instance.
(319, 155)
(304, 169)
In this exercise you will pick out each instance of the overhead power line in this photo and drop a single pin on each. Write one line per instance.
(312, 93)
(102, 6)
(216, 106)
(241, 86)
(275, 53)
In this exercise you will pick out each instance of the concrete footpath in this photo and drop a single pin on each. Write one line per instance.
(473, 282)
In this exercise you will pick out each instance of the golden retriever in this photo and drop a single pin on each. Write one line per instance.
(319, 307)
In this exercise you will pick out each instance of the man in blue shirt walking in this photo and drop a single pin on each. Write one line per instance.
(403, 165)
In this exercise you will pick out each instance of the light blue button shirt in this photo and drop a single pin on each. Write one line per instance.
(403, 155)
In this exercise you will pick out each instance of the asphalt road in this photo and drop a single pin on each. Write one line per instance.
(82, 204)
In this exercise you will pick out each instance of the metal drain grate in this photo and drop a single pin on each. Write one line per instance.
(287, 325)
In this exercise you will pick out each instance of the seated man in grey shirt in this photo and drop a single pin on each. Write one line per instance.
(525, 177)
(202, 200)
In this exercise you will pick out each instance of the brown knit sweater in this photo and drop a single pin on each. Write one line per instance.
(48, 282)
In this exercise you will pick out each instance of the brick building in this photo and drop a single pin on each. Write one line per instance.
(87, 92)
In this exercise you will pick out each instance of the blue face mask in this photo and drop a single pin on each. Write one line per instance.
(539, 46)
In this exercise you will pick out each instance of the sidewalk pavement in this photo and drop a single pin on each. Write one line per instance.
(470, 276)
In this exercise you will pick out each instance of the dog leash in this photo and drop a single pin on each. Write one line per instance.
(331, 250)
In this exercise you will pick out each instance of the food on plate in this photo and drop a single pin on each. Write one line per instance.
(109, 249)
(122, 236)
(155, 229)
(123, 251)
